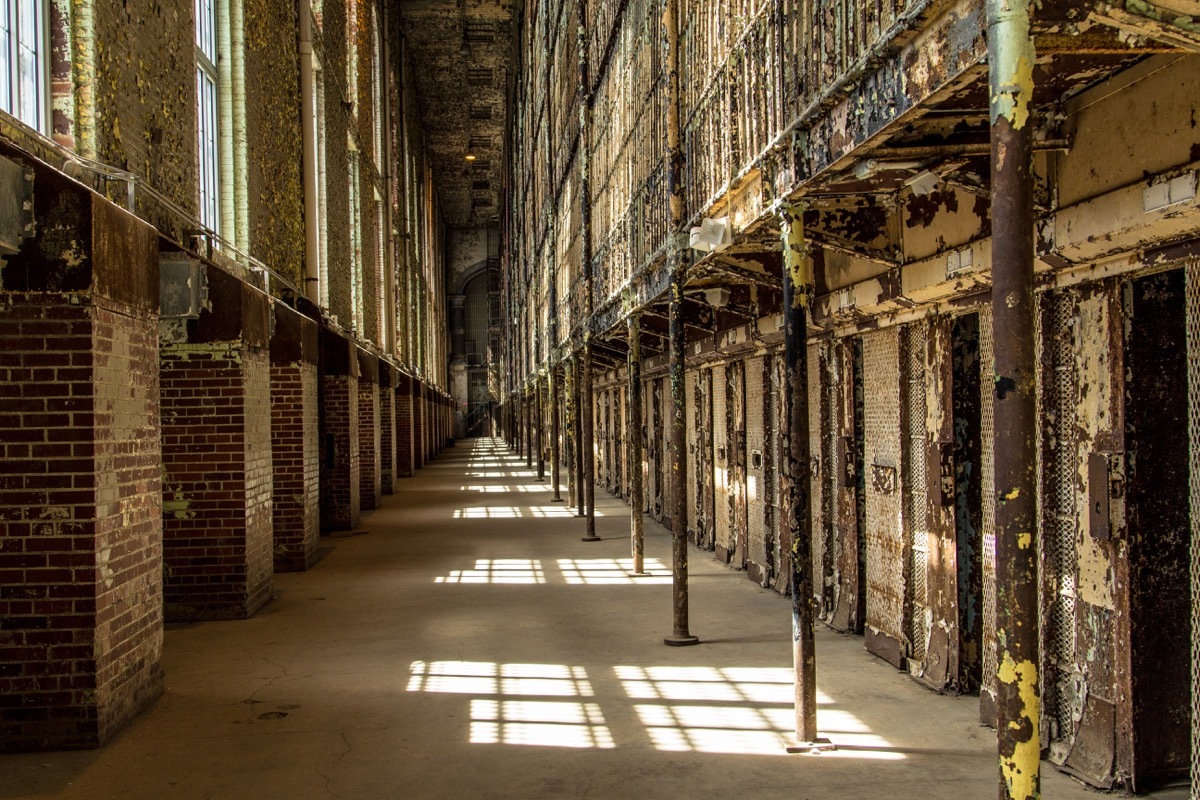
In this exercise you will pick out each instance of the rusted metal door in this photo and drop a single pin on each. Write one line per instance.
(847, 551)
(700, 461)
(1156, 415)
(735, 415)
(620, 423)
(773, 469)
(954, 589)
(658, 459)
(704, 513)
(968, 500)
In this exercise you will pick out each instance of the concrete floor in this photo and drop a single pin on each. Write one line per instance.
(464, 642)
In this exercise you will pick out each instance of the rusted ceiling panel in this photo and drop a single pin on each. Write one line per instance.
(460, 56)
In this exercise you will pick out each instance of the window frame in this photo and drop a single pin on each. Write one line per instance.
(208, 114)
(11, 84)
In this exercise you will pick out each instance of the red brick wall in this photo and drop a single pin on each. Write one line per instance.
(339, 452)
(296, 466)
(129, 534)
(370, 464)
(80, 527)
(404, 432)
(387, 439)
(217, 490)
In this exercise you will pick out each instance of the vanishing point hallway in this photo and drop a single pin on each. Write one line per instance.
(463, 642)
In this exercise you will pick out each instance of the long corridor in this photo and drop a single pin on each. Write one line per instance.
(463, 642)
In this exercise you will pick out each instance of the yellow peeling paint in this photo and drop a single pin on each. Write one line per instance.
(1024, 540)
(1095, 575)
(1023, 92)
(1021, 770)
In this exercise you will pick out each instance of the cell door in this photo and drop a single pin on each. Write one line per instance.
(968, 499)
(735, 415)
(847, 546)
(657, 460)
(706, 531)
(620, 457)
(1158, 533)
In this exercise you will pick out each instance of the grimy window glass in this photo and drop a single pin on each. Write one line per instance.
(23, 62)
(206, 105)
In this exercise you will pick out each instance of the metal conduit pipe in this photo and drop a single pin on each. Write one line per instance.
(308, 129)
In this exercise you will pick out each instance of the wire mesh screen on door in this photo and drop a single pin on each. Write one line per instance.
(916, 495)
(1061, 459)
(1192, 290)
(987, 474)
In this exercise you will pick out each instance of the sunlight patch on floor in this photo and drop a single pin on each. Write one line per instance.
(612, 571)
(740, 711)
(539, 723)
(501, 489)
(502, 711)
(486, 677)
(498, 570)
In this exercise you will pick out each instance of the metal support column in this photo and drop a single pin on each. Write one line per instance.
(1011, 57)
(587, 427)
(634, 437)
(797, 299)
(680, 635)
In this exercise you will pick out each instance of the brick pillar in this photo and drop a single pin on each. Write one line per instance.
(216, 428)
(387, 427)
(338, 403)
(370, 492)
(296, 496)
(404, 426)
(80, 495)
(420, 453)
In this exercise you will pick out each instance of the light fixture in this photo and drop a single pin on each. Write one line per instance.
(470, 156)
(923, 183)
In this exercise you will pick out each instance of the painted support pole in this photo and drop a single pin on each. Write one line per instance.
(633, 436)
(797, 300)
(587, 451)
(555, 433)
(677, 333)
(1011, 64)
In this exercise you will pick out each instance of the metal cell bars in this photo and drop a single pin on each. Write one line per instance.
(1192, 294)
(841, 33)
(730, 92)
(916, 511)
(629, 204)
(987, 474)
(1060, 459)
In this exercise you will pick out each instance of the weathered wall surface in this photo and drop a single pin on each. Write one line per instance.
(274, 157)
